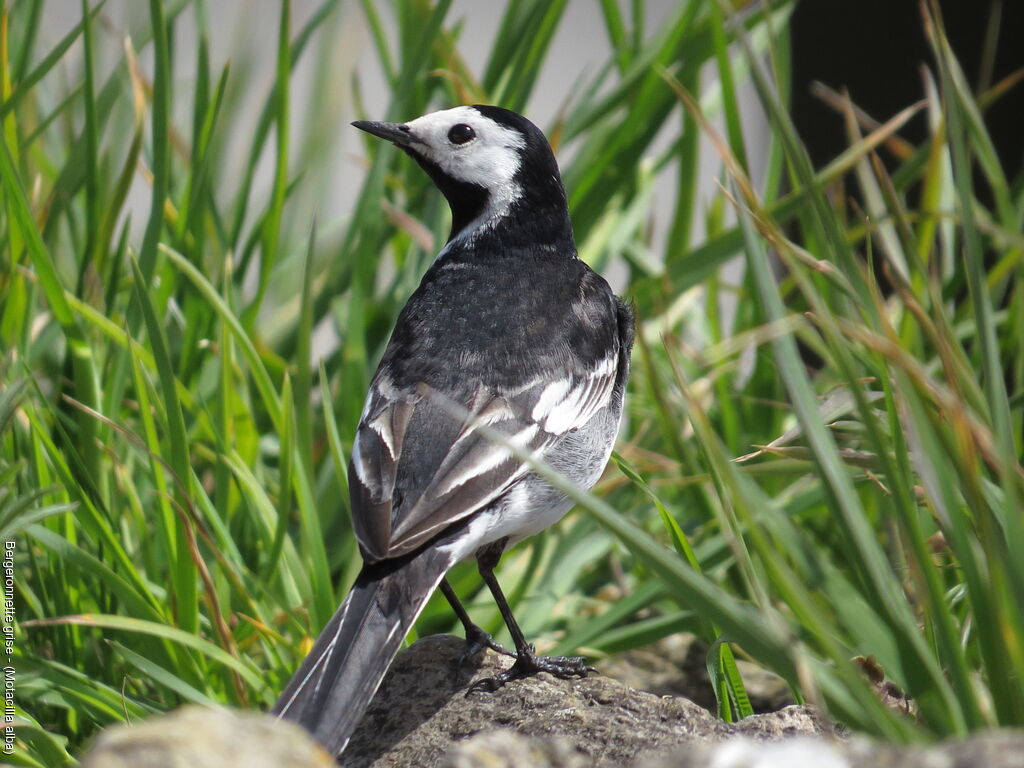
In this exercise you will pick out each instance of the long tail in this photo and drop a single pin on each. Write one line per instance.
(337, 680)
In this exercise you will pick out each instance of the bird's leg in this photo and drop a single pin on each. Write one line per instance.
(476, 638)
(527, 661)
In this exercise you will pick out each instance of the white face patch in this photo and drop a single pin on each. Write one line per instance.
(490, 159)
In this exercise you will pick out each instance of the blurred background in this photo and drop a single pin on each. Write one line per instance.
(322, 86)
(869, 43)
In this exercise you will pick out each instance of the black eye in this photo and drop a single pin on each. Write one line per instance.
(461, 133)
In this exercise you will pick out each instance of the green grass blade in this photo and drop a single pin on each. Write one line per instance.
(186, 605)
(161, 141)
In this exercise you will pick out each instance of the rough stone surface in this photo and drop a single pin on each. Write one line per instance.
(508, 749)
(424, 709)
(426, 716)
(194, 737)
(787, 723)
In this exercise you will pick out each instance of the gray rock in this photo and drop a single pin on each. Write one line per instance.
(423, 711)
(787, 723)
(427, 715)
(508, 749)
(195, 737)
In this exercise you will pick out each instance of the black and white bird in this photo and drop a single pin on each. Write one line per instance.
(509, 333)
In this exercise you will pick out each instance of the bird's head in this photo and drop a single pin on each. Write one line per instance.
(493, 165)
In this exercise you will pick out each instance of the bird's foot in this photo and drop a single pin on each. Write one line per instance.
(528, 663)
(477, 639)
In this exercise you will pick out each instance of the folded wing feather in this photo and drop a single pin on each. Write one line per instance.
(398, 506)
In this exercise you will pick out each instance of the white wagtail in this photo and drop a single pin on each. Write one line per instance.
(509, 330)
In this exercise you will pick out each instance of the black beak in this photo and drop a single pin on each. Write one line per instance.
(397, 133)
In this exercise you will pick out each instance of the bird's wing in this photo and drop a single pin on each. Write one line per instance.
(421, 463)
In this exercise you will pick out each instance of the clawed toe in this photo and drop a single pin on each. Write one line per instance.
(486, 684)
(527, 664)
(477, 639)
